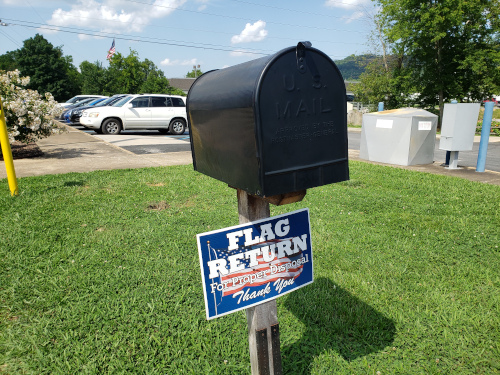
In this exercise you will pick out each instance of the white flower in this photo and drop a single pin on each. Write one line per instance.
(27, 109)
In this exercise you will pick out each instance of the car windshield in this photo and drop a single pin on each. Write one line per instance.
(122, 101)
(95, 101)
(83, 102)
(74, 99)
(106, 102)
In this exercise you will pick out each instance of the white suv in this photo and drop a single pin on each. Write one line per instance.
(166, 113)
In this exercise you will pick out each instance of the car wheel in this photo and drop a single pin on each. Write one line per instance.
(177, 127)
(111, 126)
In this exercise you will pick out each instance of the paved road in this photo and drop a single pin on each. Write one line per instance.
(152, 142)
(465, 158)
(145, 142)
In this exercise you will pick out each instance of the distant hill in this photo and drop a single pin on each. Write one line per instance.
(352, 66)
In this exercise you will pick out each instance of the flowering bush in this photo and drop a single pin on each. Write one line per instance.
(29, 116)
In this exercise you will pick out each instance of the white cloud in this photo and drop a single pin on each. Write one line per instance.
(353, 17)
(31, 3)
(252, 33)
(113, 15)
(346, 4)
(168, 62)
(203, 6)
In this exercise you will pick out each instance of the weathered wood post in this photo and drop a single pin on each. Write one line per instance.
(263, 328)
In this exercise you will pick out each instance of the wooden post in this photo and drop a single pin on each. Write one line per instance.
(263, 327)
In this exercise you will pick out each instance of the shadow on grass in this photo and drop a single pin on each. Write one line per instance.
(74, 183)
(336, 321)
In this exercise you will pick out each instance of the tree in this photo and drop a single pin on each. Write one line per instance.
(450, 47)
(155, 82)
(384, 80)
(130, 75)
(47, 68)
(93, 78)
(354, 65)
(126, 74)
(193, 74)
(8, 61)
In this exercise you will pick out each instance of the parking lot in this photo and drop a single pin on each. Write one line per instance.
(152, 142)
(144, 141)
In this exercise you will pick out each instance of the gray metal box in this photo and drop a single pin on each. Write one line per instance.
(459, 126)
(403, 136)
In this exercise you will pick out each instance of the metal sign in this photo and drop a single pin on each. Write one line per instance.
(248, 264)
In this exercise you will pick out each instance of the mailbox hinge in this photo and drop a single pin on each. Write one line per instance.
(302, 62)
(301, 55)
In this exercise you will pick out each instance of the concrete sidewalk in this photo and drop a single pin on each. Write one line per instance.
(76, 151)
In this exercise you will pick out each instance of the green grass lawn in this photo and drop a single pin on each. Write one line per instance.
(99, 273)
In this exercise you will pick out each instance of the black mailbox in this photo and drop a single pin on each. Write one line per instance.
(271, 126)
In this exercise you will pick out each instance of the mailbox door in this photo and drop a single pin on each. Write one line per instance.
(302, 111)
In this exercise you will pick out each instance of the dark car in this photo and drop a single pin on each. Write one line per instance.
(67, 113)
(76, 105)
(74, 117)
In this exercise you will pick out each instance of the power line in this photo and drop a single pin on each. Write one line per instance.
(240, 18)
(93, 33)
(8, 37)
(296, 10)
(191, 29)
(139, 39)
(34, 10)
(261, 52)
(181, 43)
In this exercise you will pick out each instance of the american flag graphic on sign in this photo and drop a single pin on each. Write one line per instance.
(269, 247)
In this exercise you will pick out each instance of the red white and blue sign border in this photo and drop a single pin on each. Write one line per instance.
(251, 263)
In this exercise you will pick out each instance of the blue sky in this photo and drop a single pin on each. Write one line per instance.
(177, 34)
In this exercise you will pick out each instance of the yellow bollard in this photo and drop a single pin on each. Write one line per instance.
(7, 154)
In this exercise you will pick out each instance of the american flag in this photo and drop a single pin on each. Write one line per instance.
(112, 50)
(261, 266)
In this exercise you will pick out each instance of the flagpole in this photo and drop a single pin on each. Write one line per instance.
(210, 256)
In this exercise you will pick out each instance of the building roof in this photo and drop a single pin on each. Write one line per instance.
(183, 84)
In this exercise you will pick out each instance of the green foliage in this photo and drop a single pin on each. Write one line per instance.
(94, 78)
(192, 74)
(99, 273)
(47, 68)
(126, 74)
(8, 62)
(380, 85)
(52, 72)
(451, 46)
(353, 66)
(175, 91)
